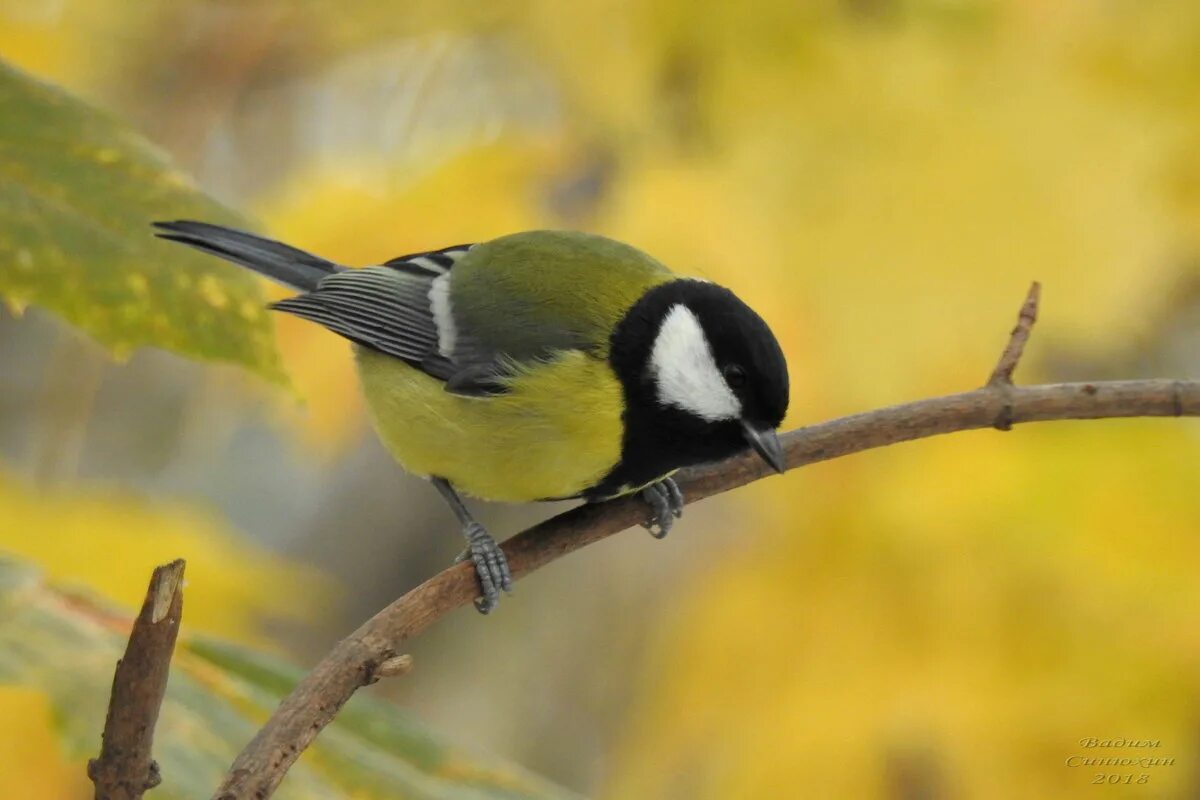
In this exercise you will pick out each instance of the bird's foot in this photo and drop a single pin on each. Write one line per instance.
(491, 566)
(666, 505)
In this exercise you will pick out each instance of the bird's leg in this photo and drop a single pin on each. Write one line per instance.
(490, 564)
(666, 505)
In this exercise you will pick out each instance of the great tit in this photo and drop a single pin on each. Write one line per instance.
(542, 365)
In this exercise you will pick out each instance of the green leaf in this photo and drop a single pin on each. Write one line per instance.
(78, 191)
(374, 749)
(66, 646)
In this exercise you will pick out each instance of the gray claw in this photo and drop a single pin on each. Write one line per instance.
(674, 496)
(490, 565)
(666, 505)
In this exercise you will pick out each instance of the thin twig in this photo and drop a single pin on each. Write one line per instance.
(365, 655)
(1000, 381)
(125, 769)
(1002, 374)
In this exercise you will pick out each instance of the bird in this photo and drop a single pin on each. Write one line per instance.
(540, 365)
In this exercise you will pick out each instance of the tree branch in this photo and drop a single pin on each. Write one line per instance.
(125, 769)
(1002, 374)
(356, 660)
(1000, 380)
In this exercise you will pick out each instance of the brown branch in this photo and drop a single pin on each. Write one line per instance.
(1000, 381)
(1002, 374)
(354, 661)
(367, 653)
(125, 770)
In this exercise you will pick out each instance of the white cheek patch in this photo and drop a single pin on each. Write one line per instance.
(443, 317)
(685, 371)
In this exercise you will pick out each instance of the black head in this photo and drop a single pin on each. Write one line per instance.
(704, 378)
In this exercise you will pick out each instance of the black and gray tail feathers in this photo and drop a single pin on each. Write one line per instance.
(275, 260)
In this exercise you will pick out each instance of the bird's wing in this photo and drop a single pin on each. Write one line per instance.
(401, 308)
(470, 315)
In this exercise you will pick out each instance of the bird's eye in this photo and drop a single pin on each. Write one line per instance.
(735, 375)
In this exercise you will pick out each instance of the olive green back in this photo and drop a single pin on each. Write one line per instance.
(539, 291)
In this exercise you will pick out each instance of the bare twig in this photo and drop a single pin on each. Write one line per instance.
(125, 769)
(1002, 374)
(364, 655)
(1000, 381)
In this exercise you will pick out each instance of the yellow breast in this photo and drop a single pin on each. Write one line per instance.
(556, 432)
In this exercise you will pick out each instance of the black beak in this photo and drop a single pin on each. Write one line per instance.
(766, 444)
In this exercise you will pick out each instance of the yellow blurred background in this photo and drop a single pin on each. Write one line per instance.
(881, 179)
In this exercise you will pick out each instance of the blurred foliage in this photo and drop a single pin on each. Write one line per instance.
(1047, 598)
(881, 179)
(59, 649)
(108, 542)
(77, 196)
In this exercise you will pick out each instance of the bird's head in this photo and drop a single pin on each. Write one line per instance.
(704, 376)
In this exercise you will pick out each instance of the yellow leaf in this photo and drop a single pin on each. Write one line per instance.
(108, 541)
(32, 765)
